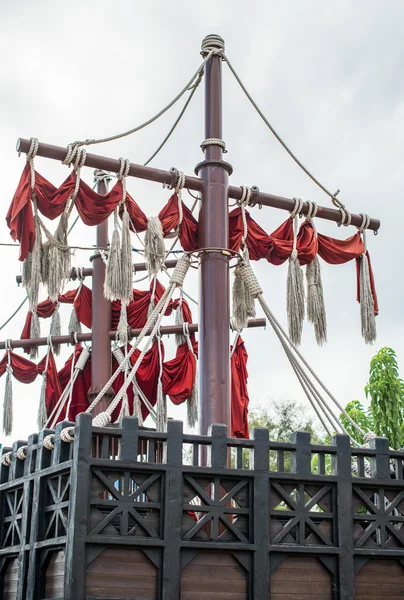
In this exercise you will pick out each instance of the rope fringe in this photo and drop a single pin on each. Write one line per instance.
(367, 307)
(126, 260)
(59, 258)
(113, 270)
(8, 404)
(295, 300)
(154, 247)
(74, 323)
(55, 329)
(35, 332)
(42, 415)
(316, 313)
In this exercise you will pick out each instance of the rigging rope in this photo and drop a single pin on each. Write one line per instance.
(333, 197)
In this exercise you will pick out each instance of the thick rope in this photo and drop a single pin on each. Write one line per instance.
(213, 142)
(177, 280)
(256, 291)
(333, 197)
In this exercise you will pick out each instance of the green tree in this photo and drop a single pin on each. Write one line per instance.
(282, 419)
(385, 390)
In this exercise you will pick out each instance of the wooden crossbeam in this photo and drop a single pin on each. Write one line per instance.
(192, 183)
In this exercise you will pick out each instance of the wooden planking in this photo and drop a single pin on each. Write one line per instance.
(214, 576)
(54, 583)
(301, 578)
(11, 580)
(122, 573)
(380, 579)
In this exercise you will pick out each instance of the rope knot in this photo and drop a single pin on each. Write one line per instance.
(213, 44)
(181, 269)
(21, 453)
(214, 142)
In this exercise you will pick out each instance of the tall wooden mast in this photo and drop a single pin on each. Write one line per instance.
(214, 307)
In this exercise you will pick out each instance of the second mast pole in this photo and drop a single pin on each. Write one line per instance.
(214, 300)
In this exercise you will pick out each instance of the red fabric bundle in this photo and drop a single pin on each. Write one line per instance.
(169, 217)
(239, 392)
(81, 386)
(179, 375)
(92, 207)
(45, 310)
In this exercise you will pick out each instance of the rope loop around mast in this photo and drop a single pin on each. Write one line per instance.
(214, 142)
(213, 44)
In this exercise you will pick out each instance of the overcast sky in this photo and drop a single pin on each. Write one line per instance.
(329, 77)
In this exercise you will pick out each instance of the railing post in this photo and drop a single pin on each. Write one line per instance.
(23, 559)
(380, 464)
(342, 469)
(43, 460)
(217, 452)
(173, 513)
(301, 458)
(129, 448)
(261, 507)
(79, 510)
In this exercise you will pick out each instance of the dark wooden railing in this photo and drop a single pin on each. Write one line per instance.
(125, 512)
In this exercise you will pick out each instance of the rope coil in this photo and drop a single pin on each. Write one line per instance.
(21, 452)
(6, 459)
(48, 441)
(214, 142)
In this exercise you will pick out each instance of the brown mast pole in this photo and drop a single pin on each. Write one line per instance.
(101, 315)
(214, 310)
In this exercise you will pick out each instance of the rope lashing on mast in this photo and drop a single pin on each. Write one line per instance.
(295, 301)
(316, 313)
(213, 142)
(301, 368)
(153, 321)
(243, 303)
(367, 306)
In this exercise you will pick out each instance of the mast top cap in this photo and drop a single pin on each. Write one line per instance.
(210, 42)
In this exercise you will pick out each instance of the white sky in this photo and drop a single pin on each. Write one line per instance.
(328, 76)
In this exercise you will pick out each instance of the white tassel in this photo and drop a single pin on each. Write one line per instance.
(192, 404)
(113, 271)
(137, 405)
(243, 302)
(179, 320)
(161, 408)
(33, 267)
(316, 313)
(74, 323)
(55, 328)
(35, 332)
(59, 259)
(45, 263)
(26, 271)
(42, 415)
(295, 299)
(154, 247)
(126, 260)
(8, 404)
(122, 329)
(367, 306)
